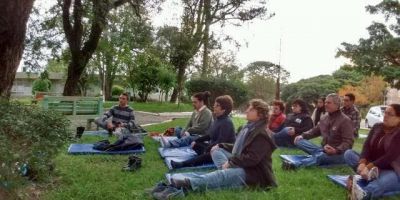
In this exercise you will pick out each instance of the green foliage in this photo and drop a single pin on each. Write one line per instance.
(117, 90)
(380, 53)
(43, 84)
(261, 87)
(267, 69)
(32, 136)
(348, 76)
(310, 89)
(219, 87)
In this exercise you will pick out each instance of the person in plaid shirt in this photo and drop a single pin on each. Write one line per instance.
(351, 111)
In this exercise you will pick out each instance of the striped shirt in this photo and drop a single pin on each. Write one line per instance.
(354, 115)
(123, 115)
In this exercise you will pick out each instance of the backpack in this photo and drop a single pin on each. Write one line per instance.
(127, 142)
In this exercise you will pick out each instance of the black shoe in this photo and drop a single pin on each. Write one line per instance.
(288, 165)
(134, 163)
(184, 184)
(110, 132)
(176, 165)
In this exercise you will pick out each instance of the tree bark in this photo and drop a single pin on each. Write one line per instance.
(206, 38)
(14, 15)
(176, 93)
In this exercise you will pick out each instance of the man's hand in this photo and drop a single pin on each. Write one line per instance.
(364, 173)
(297, 139)
(110, 125)
(192, 145)
(330, 150)
(360, 168)
(183, 134)
(226, 165)
(291, 131)
(214, 148)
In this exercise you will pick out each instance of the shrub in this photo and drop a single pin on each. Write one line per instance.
(219, 87)
(41, 85)
(32, 136)
(117, 90)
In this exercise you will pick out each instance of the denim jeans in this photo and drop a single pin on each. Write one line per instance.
(178, 131)
(220, 156)
(283, 139)
(227, 178)
(183, 141)
(318, 156)
(388, 180)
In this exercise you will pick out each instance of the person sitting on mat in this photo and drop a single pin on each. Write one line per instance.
(379, 162)
(246, 163)
(119, 116)
(277, 119)
(198, 124)
(221, 131)
(336, 130)
(295, 124)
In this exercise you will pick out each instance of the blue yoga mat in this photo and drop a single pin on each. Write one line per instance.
(298, 158)
(181, 176)
(88, 149)
(167, 161)
(342, 179)
(186, 152)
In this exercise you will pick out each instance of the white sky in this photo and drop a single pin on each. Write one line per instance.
(311, 32)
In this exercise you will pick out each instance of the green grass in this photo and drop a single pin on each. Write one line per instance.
(155, 107)
(100, 177)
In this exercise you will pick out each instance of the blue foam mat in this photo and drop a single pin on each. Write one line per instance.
(298, 158)
(342, 179)
(181, 176)
(186, 152)
(167, 161)
(88, 149)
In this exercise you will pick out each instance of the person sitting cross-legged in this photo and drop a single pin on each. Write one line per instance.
(198, 125)
(379, 162)
(336, 130)
(221, 131)
(246, 163)
(295, 124)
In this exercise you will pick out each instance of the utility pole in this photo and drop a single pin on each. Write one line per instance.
(277, 85)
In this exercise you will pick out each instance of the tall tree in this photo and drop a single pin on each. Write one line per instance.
(82, 48)
(271, 70)
(14, 15)
(380, 53)
(198, 16)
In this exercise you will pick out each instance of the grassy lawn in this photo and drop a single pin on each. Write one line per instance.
(100, 177)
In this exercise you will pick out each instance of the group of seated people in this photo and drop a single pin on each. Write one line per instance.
(247, 159)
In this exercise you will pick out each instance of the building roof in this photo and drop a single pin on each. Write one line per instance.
(31, 75)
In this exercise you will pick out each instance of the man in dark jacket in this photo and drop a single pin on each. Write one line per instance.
(295, 124)
(336, 130)
(247, 162)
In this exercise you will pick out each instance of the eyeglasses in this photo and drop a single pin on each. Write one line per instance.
(346, 99)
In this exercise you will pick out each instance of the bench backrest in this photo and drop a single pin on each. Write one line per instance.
(72, 105)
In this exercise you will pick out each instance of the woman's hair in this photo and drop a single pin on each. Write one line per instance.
(203, 96)
(302, 104)
(226, 103)
(396, 108)
(279, 104)
(261, 107)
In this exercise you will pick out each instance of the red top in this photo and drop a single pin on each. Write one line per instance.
(276, 122)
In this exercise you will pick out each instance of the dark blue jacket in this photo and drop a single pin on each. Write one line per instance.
(220, 131)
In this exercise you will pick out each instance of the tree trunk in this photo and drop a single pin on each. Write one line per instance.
(178, 89)
(206, 38)
(108, 89)
(74, 74)
(14, 15)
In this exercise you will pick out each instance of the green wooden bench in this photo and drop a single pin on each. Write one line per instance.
(75, 106)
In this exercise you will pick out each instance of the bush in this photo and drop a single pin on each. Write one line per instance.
(41, 85)
(117, 90)
(219, 87)
(32, 136)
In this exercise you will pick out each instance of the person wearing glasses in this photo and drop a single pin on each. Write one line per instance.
(296, 123)
(351, 111)
(379, 162)
(119, 116)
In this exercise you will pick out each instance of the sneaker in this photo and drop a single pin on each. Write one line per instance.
(176, 165)
(169, 193)
(373, 174)
(184, 184)
(164, 142)
(356, 192)
(286, 165)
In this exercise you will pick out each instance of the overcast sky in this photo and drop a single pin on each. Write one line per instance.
(311, 31)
